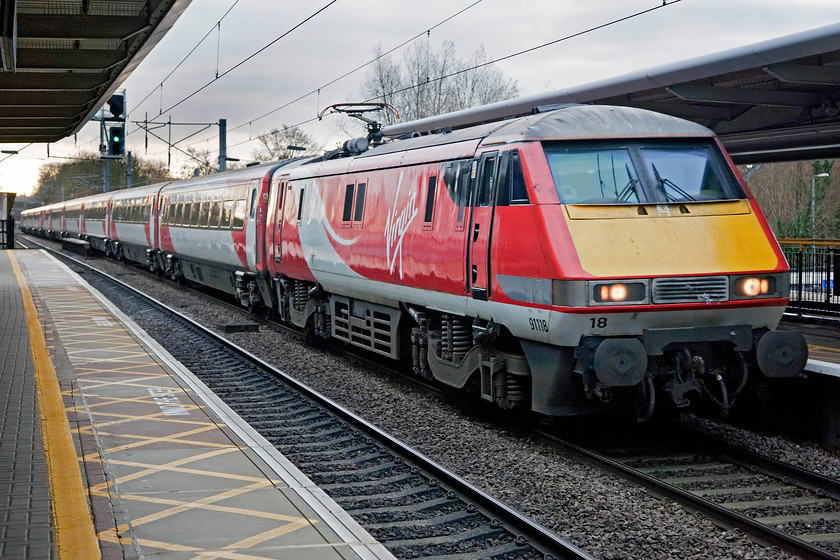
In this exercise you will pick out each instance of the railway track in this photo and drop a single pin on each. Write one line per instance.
(415, 507)
(776, 503)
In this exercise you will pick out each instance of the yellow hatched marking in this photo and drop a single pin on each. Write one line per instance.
(147, 400)
(126, 418)
(213, 507)
(90, 385)
(149, 469)
(126, 367)
(148, 440)
(197, 504)
(175, 438)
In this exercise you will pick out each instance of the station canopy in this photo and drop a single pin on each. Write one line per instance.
(62, 59)
(777, 100)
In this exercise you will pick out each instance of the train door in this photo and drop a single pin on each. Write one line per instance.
(483, 177)
(281, 198)
(251, 228)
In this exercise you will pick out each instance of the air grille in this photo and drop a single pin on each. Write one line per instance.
(691, 290)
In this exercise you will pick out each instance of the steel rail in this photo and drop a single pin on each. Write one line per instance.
(717, 514)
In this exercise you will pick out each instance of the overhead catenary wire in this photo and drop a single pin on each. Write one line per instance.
(246, 59)
(357, 68)
(665, 3)
(177, 66)
(223, 74)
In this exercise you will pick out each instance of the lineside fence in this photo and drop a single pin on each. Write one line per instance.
(7, 234)
(814, 275)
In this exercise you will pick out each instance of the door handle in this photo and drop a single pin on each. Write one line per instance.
(474, 273)
(475, 233)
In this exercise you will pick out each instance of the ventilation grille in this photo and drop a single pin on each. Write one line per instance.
(691, 290)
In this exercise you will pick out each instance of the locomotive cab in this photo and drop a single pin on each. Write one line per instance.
(667, 270)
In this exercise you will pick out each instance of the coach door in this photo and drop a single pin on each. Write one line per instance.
(251, 226)
(481, 224)
(276, 213)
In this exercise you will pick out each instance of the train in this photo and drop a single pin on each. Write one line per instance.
(579, 260)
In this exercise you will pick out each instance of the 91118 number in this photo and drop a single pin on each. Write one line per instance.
(539, 325)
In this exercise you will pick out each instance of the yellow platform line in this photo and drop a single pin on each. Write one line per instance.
(74, 532)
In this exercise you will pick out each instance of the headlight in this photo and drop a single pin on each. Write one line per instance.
(618, 293)
(745, 287)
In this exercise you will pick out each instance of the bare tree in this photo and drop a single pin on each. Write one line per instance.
(382, 81)
(200, 163)
(285, 143)
(783, 191)
(82, 176)
(429, 82)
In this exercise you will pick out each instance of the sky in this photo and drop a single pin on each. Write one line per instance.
(345, 33)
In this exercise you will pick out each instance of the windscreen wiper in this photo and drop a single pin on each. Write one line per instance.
(668, 183)
(629, 188)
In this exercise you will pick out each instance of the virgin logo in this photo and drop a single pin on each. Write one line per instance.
(395, 227)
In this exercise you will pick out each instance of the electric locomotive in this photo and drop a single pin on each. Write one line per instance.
(580, 260)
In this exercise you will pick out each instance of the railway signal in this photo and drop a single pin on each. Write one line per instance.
(112, 138)
(116, 141)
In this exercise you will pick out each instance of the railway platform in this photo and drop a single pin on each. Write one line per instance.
(110, 448)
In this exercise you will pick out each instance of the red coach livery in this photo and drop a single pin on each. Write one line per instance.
(574, 261)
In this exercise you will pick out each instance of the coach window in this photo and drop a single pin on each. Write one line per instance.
(300, 205)
(430, 202)
(196, 208)
(511, 181)
(348, 203)
(204, 214)
(239, 214)
(215, 213)
(518, 190)
(359, 209)
(255, 183)
(487, 179)
(227, 214)
(185, 220)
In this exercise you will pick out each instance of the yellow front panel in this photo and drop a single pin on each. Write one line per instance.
(670, 239)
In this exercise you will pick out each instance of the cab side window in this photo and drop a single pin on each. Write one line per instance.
(512, 188)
